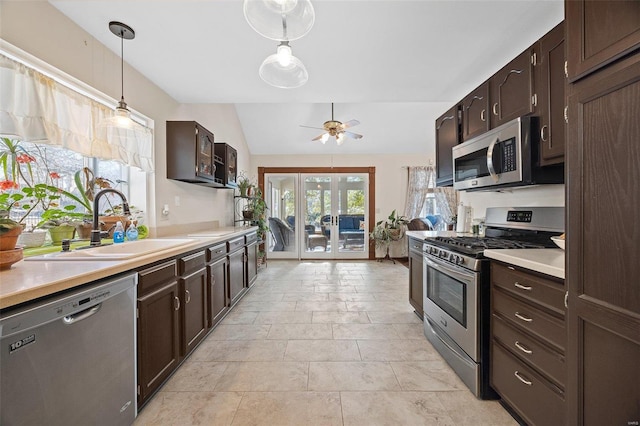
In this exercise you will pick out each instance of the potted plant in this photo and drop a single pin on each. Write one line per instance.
(386, 232)
(244, 183)
(61, 223)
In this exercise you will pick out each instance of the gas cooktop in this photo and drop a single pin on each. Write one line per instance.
(475, 246)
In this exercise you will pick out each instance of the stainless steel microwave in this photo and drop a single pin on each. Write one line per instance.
(506, 156)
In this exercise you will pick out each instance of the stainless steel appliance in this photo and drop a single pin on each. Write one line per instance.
(456, 286)
(506, 156)
(71, 359)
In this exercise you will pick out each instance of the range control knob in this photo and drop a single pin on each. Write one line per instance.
(443, 254)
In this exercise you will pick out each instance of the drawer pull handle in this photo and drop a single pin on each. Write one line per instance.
(522, 348)
(522, 379)
(176, 303)
(522, 317)
(522, 287)
(187, 296)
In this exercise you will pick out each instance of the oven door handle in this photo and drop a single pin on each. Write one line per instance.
(465, 277)
(492, 170)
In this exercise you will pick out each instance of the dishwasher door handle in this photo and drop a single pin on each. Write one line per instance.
(74, 318)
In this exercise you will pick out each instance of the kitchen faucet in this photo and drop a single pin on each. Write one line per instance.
(96, 233)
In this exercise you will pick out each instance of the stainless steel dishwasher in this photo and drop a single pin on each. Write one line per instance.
(71, 359)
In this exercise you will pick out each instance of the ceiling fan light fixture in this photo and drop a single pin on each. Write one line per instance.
(340, 138)
(280, 19)
(289, 76)
(324, 138)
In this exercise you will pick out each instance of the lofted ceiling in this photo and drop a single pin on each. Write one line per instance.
(393, 65)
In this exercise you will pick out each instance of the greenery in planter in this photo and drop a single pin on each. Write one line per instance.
(388, 230)
(244, 183)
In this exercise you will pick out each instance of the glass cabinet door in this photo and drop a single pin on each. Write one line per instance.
(205, 166)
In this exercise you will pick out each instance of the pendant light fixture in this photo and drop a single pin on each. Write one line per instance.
(122, 118)
(282, 69)
(280, 19)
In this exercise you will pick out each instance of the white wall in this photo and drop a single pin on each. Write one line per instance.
(41, 30)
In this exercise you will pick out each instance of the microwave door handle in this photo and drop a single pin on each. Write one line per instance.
(492, 170)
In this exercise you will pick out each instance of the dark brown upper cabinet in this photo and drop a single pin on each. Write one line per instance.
(228, 173)
(599, 32)
(512, 89)
(190, 153)
(447, 136)
(550, 88)
(475, 112)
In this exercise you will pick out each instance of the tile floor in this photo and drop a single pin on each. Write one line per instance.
(320, 343)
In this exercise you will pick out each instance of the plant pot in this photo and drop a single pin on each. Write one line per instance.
(108, 223)
(83, 230)
(247, 214)
(9, 257)
(9, 239)
(32, 239)
(62, 232)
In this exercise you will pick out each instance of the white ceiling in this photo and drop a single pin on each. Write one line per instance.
(394, 65)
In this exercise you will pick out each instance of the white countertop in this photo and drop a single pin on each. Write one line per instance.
(432, 234)
(546, 261)
(30, 280)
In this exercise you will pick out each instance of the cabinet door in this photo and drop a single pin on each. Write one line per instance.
(193, 288)
(447, 136)
(236, 275)
(205, 166)
(602, 263)
(512, 89)
(598, 32)
(251, 268)
(550, 90)
(218, 294)
(475, 112)
(158, 338)
(415, 280)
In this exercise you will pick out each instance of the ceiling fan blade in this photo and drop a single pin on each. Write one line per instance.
(317, 138)
(353, 135)
(311, 127)
(350, 123)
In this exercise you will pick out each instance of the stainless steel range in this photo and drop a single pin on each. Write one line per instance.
(456, 286)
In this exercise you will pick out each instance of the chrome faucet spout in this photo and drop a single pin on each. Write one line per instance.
(96, 239)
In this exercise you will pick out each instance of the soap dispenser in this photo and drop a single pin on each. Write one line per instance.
(118, 233)
(132, 232)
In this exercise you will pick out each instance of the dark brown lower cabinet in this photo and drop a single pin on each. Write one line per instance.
(158, 327)
(528, 341)
(218, 294)
(251, 269)
(193, 289)
(415, 275)
(236, 268)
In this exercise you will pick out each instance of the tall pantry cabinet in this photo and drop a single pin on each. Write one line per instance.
(603, 201)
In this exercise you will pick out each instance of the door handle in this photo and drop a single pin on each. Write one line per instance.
(176, 303)
(187, 296)
(482, 115)
(522, 317)
(492, 170)
(74, 318)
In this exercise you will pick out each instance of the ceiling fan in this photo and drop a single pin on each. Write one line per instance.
(336, 129)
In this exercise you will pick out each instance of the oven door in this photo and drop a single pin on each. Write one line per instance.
(450, 301)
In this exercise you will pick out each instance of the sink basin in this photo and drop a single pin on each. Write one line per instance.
(122, 251)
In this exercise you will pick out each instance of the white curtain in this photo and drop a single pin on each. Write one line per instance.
(36, 108)
(420, 180)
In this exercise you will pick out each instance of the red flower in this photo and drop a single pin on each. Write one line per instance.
(25, 158)
(8, 184)
(54, 175)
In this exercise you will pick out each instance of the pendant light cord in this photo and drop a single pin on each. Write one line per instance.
(122, 65)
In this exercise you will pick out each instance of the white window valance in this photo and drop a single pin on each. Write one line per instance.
(36, 108)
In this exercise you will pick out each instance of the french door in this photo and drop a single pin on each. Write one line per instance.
(317, 215)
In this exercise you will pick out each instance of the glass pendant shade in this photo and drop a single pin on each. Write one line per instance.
(283, 70)
(280, 19)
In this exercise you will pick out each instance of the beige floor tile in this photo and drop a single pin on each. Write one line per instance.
(196, 376)
(241, 350)
(284, 318)
(340, 317)
(352, 297)
(391, 296)
(263, 297)
(397, 350)
(190, 408)
(300, 331)
(393, 408)
(322, 350)
(380, 306)
(427, 376)
(321, 306)
(364, 331)
(351, 376)
(264, 376)
(410, 331)
(335, 288)
(306, 297)
(266, 306)
(240, 317)
(465, 409)
(394, 317)
(240, 332)
(289, 408)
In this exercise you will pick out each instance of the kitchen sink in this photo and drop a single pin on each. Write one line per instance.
(122, 251)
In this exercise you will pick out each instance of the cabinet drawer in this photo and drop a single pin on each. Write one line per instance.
(415, 245)
(235, 244)
(537, 289)
(191, 263)
(530, 319)
(546, 360)
(249, 238)
(151, 278)
(216, 252)
(536, 401)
